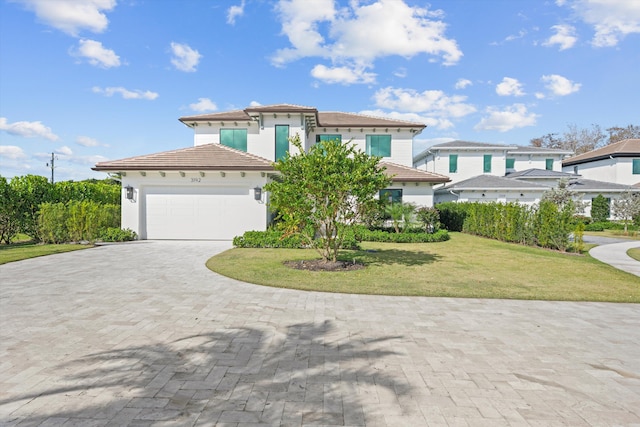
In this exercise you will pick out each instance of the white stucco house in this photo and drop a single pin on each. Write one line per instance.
(213, 189)
(461, 160)
(618, 163)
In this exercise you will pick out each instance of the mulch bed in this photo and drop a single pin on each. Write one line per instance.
(319, 265)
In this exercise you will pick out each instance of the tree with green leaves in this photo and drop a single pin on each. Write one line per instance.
(600, 210)
(320, 193)
(9, 219)
(626, 207)
(401, 215)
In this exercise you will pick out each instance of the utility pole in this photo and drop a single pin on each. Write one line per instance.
(53, 159)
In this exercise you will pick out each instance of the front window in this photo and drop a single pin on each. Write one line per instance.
(636, 166)
(511, 164)
(390, 195)
(379, 145)
(234, 138)
(328, 137)
(453, 163)
(487, 163)
(549, 164)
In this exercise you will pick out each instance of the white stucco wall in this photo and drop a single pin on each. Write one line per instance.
(261, 139)
(618, 170)
(535, 161)
(420, 195)
(253, 218)
(470, 164)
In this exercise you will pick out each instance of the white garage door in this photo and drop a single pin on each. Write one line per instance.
(203, 213)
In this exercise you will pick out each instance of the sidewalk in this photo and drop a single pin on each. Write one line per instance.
(616, 255)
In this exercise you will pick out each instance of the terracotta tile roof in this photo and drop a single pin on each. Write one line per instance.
(240, 115)
(401, 173)
(624, 148)
(281, 108)
(202, 157)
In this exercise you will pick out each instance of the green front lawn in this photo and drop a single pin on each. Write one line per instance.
(20, 251)
(634, 253)
(465, 266)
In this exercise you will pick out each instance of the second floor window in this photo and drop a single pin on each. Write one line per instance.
(511, 164)
(234, 138)
(636, 167)
(282, 141)
(549, 164)
(487, 163)
(379, 145)
(453, 163)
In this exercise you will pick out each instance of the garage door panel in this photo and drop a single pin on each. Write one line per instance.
(201, 213)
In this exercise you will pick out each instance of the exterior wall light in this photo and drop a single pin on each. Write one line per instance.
(129, 192)
(257, 193)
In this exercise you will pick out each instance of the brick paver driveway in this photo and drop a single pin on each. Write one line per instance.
(143, 334)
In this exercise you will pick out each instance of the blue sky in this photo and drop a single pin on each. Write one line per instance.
(98, 80)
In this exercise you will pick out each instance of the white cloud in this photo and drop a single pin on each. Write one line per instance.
(12, 152)
(203, 104)
(235, 11)
(400, 72)
(430, 121)
(560, 86)
(184, 57)
(612, 20)
(433, 107)
(564, 37)
(342, 75)
(361, 33)
(512, 117)
(97, 54)
(254, 104)
(28, 129)
(126, 93)
(463, 83)
(64, 150)
(72, 16)
(86, 141)
(509, 87)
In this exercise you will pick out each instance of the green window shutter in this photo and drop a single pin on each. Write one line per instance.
(282, 141)
(487, 163)
(234, 138)
(549, 164)
(453, 163)
(636, 167)
(379, 145)
(511, 164)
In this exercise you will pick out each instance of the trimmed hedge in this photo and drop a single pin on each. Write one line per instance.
(363, 234)
(76, 221)
(115, 234)
(274, 238)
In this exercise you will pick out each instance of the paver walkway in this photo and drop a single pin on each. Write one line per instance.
(143, 334)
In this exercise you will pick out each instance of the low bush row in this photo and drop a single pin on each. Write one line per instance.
(274, 238)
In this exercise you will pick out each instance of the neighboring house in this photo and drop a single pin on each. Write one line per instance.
(527, 187)
(213, 190)
(461, 160)
(618, 163)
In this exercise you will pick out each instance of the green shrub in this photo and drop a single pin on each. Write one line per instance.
(115, 234)
(268, 239)
(363, 234)
(75, 221)
(429, 218)
(452, 215)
